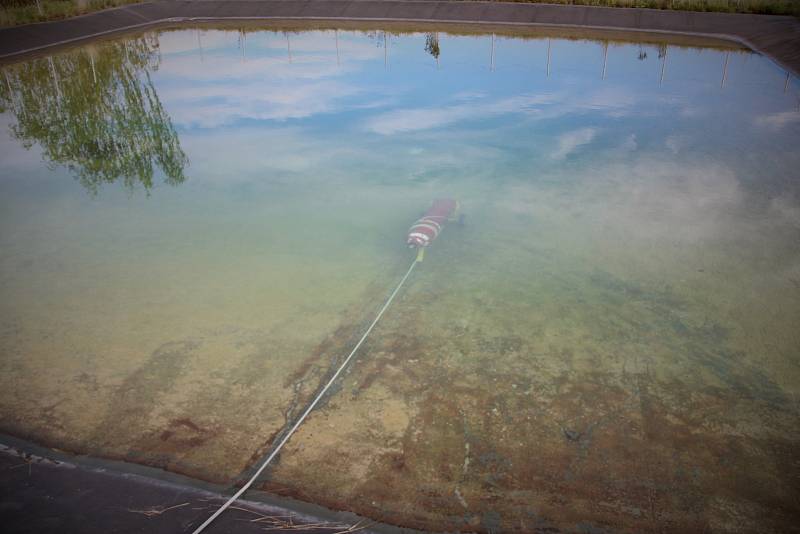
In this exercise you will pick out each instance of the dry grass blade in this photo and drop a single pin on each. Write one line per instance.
(156, 510)
(27, 462)
(287, 523)
(261, 517)
(356, 527)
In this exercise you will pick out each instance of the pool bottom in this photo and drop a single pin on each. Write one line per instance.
(460, 427)
(595, 399)
(429, 433)
(541, 419)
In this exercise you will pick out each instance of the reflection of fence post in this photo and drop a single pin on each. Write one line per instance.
(336, 34)
(288, 47)
(19, 107)
(91, 61)
(786, 83)
(11, 93)
(725, 70)
(548, 57)
(385, 51)
(663, 66)
(200, 46)
(55, 78)
(491, 61)
(605, 58)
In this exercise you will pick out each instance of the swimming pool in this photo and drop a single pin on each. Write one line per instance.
(197, 225)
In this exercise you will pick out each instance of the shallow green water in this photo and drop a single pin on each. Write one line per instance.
(231, 200)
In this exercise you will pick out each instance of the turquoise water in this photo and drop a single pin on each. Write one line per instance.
(196, 224)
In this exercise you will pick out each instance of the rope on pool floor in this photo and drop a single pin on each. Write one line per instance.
(311, 406)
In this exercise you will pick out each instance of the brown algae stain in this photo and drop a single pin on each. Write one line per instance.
(500, 433)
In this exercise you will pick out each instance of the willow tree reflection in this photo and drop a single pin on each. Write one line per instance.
(96, 112)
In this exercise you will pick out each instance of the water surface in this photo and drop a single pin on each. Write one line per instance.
(196, 225)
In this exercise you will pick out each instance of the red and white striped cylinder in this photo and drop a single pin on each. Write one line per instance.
(424, 231)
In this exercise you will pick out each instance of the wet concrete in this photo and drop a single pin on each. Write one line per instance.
(776, 36)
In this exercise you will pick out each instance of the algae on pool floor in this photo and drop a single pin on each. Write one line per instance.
(609, 341)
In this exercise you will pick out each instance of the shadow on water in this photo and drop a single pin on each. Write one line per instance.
(96, 112)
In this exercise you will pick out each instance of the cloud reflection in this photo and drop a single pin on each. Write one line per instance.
(571, 141)
(227, 84)
(779, 120)
(659, 201)
(212, 106)
(474, 105)
(410, 120)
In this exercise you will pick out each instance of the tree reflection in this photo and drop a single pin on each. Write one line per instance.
(432, 44)
(96, 112)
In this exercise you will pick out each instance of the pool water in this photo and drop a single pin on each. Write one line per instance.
(196, 225)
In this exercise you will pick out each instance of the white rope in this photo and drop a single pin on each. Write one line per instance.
(308, 410)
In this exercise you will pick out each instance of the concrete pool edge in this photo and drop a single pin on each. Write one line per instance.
(97, 472)
(777, 37)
